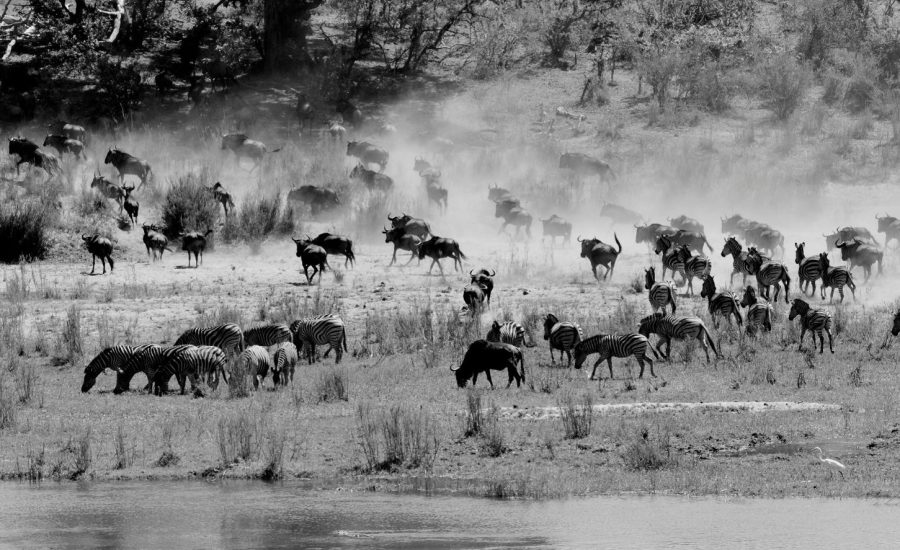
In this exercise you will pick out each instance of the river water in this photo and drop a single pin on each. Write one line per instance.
(191, 514)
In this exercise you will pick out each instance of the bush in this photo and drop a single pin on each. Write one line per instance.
(784, 81)
(257, 219)
(234, 437)
(23, 231)
(576, 415)
(189, 206)
(646, 454)
(332, 386)
(398, 436)
(8, 411)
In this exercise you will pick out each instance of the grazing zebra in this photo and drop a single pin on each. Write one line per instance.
(809, 268)
(670, 326)
(615, 345)
(227, 338)
(723, 304)
(769, 273)
(321, 330)
(562, 336)
(285, 360)
(110, 358)
(149, 361)
(267, 335)
(835, 277)
(670, 257)
(814, 321)
(660, 294)
(694, 265)
(759, 312)
(738, 260)
(199, 360)
(256, 362)
(509, 332)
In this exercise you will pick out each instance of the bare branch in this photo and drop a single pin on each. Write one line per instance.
(118, 24)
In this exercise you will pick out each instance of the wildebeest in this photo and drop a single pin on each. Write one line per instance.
(349, 112)
(691, 239)
(426, 171)
(848, 233)
(335, 244)
(371, 179)
(63, 145)
(221, 196)
(319, 199)
(890, 226)
(857, 253)
(554, 226)
(71, 131)
(600, 253)
(402, 241)
(368, 153)
(687, 224)
(484, 356)
(194, 242)
(311, 255)
(437, 194)
(765, 239)
(586, 165)
(619, 214)
(474, 296)
(497, 194)
(337, 131)
(649, 233)
(131, 204)
(439, 247)
(410, 225)
(484, 278)
(156, 242)
(99, 247)
(109, 189)
(128, 165)
(734, 225)
(514, 215)
(304, 111)
(244, 147)
(28, 152)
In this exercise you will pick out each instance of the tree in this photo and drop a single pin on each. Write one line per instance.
(285, 28)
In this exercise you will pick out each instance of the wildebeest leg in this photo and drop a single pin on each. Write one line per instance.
(439, 267)
(93, 263)
(306, 272)
(412, 255)
(103, 263)
(868, 270)
(315, 270)
(474, 378)
(433, 261)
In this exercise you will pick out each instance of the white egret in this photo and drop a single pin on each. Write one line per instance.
(831, 463)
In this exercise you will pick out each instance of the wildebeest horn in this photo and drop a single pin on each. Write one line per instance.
(493, 272)
(389, 216)
(470, 273)
(578, 238)
(836, 243)
(454, 369)
(295, 240)
(83, 237)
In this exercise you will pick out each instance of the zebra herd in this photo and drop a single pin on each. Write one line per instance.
(203, 354)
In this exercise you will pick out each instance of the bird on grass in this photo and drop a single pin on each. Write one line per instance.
(831, 463)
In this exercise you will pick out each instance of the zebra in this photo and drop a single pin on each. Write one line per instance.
(814, 321)
(738, 259)
(670, 257)
(267, 335)
(110, 358)
(660, 294)
(562, 336)
(615, 345)
(284, 360)
(190, 363)
(723, 304)
(229, 338)
(256, 362)
(509, 332)
(149, 361)
(809, 268)
(836, 277)
(670, 326)
(769, 273)
(321, 330)
(694, 265)
(759, 312)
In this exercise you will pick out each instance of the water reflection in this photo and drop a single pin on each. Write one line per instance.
(258, 515)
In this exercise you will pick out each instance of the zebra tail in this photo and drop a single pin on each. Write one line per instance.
(344, 338)
(710, 340)
(463, 256)
(522, 365)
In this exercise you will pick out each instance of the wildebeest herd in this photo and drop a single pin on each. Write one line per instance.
(756, 250)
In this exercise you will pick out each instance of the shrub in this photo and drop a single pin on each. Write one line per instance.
(23, 226)
(576, 415)
(474, 413)
(257, 219)
(234, 437)
(784, 81)
(189, 206)
(646, 454)
(332, 386)
(124, 456)
(82, 454)
(90, 203)
(274, 454)
(72, 339)
(398, 436)
(492, 442)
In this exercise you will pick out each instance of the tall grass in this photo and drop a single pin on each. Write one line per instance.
(396, 436)
(189, 206)
(646, 452)
(576, 414)
(8, 411)
(331, 386)
(23, 230)
(234, 438)
(72, 339)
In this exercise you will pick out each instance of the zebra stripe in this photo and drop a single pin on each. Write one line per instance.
(562, 336)
(321, 330)
(509, 332)
(668, 327)
(724, 304)
(772, 273)
(740, 263)
(255, 361)
(189, 364)
(614, 345)
(285, 360)
(227, 338)
(110, 358)
(149, 361)
(813, 320)
(662, 294)
(808, 272)
(837, 278)
(267, 335)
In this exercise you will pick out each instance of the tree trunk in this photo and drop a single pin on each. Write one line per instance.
(284, 35)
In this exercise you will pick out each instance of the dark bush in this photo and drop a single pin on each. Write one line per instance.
(189, 206)
(257, 219)
(23, 228)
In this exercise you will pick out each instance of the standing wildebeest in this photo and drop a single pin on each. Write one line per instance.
(814, 321)
(221, 196)
(128, 165)
(586, 165)
(335, 244)
(63, 145)
(484, 356)
(497, 194)
(402, 241)
(71, 131)
(856, 253)
(600, 253)
(848, 233)
(687, 224)
(650, 233)
(29, 153)
(156, 242)
(889, 225)
(619, 214)
(194, 242)
(244, 147)
(474, 296)
(131, 204)
(410, 225)
(895, 327)
(368, 153)
(513, 214)
(99, 247)
(484, 278)
(109, 189)
(319, 199)
(375, 181)
(311, 255)
(439, 247)
(554, 226)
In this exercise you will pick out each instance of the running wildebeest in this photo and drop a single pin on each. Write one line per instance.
(890, 226)
(484, 356)
(311, 255)
(619, 214)
(128, 165)
(319, 199)
(402, 241)
(368, 153)
(513, 214)
(194, 242)
(687, 224)
(554, 226)
(439, 247)
(335, 244)
(131, 205)
(650, 233)
(426, 171)
(857, 253)
(484, 278)
(28, 152)
(99, 247)
(244, 147)
(586, 165)
(109, 189)
(410, 225)
(63, 145)
(600, 253)
(498, 194)
(71, 131)
(221, 196)
(375, 181)
(691, 239)
(848, 233)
